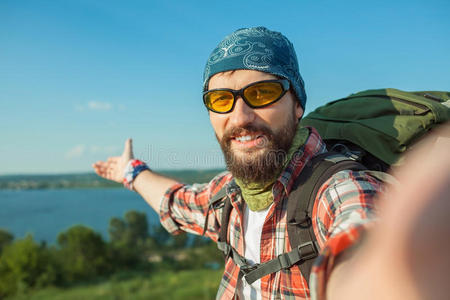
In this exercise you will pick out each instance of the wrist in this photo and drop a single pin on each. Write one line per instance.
(133, 168)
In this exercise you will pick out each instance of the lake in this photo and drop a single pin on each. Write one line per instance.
(45, 213)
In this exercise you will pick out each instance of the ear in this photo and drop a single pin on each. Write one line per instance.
(298, 110)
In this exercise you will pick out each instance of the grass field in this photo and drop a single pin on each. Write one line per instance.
(195, 284)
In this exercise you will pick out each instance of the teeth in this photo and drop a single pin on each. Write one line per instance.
(245, 138)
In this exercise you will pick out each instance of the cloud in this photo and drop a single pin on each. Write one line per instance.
(92, 150)
(75, 152)
(94, 105)
(97, 105)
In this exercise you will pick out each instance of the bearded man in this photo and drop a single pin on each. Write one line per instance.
(255, 98)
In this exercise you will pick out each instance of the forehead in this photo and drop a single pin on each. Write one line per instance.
(237, 79)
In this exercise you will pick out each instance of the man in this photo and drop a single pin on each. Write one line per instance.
(255, 97)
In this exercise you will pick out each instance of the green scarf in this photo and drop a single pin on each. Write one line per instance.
(258, 196)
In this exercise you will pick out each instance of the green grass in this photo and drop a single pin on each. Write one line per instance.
(192, 284)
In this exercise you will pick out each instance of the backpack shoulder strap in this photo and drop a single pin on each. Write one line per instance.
(301, 200)
(301, 235)
(214, 203)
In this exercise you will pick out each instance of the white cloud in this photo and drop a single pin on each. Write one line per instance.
(90, 150)
(97, 105)
(94, 105)
(75, 152)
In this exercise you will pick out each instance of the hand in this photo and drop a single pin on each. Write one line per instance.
(113, 168)
(406, 254)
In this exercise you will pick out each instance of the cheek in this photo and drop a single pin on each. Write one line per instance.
(217, 123)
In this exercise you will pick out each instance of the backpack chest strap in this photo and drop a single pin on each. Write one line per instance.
(251, 273)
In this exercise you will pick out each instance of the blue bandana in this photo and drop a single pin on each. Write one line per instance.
(257, 49)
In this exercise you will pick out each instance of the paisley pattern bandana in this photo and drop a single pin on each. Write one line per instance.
(260, 49)
(259, 196)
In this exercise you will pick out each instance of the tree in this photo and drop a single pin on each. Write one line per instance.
(161, 236)
(116, 230)
(83, 253)
(5, 239)
(25, 264)
(131, 231)
(129, 239)
(137, 226)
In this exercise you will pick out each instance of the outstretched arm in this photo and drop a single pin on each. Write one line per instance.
(150, 185)
(406, 254)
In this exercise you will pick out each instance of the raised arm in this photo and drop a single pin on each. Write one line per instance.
(150, 185)
(406, 255)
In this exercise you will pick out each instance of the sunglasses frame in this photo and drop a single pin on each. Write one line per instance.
(284, 84)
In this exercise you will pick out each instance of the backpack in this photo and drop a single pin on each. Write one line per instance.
(367, 131)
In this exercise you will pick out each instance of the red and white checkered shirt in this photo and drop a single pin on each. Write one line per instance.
(344, 207)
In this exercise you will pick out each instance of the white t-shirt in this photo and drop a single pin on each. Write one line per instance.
(252, 246)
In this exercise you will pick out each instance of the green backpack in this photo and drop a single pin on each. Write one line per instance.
(365, 131)
(379, 125)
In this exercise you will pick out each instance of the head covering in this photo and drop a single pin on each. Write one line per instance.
(260, 49)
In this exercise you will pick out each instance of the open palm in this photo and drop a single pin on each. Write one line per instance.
(113, 167)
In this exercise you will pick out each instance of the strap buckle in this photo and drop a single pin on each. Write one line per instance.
(248, 268)
(225, 248)
(308, 250)
(284, 261)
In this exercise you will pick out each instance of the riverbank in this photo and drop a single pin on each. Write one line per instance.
(91, 180)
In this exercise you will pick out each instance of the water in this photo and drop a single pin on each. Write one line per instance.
(45, 213)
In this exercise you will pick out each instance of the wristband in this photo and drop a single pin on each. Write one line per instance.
(132, 170)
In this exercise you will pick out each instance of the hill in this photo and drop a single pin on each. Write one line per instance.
(91, 180)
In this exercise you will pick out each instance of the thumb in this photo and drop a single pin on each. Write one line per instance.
(128, 150)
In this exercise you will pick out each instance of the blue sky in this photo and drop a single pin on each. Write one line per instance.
(79, 77)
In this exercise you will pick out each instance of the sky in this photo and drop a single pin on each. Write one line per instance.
(79, 77)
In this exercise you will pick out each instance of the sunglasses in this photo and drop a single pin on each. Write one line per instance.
(256, 95)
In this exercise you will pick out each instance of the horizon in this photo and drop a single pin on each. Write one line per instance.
(93, 173)
(80, 77)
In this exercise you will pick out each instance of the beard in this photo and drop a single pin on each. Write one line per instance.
(261, 163)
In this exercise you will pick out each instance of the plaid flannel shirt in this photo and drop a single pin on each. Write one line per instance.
(344, 207)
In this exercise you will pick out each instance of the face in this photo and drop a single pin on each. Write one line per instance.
(254, 141)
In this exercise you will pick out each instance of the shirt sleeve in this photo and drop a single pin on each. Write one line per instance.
(343, 211)
(186, 208)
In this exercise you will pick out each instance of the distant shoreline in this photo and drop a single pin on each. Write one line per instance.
(92, 180)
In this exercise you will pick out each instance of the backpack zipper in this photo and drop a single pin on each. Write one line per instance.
(432, 97)
(418, 105)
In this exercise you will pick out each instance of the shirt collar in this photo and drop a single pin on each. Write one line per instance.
(314, 145)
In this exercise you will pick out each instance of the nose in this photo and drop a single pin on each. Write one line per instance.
(242, 114)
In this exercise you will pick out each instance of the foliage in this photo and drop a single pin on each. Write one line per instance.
(129, 239)
(183, 285)
(130, 231)
(5, 239)
(82, 254)
(25, 264)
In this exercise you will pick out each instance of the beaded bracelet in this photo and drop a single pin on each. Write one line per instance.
(132, 170)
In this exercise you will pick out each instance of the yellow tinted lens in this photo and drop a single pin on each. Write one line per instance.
(220, 101)
(263, 93)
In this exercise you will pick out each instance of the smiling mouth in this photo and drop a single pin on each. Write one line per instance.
(247, 138)
(249, 141)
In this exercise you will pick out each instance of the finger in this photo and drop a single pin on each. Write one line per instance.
(101, 164)
(101, 169)
(98, 163)
(113, 160)
(128, 149)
